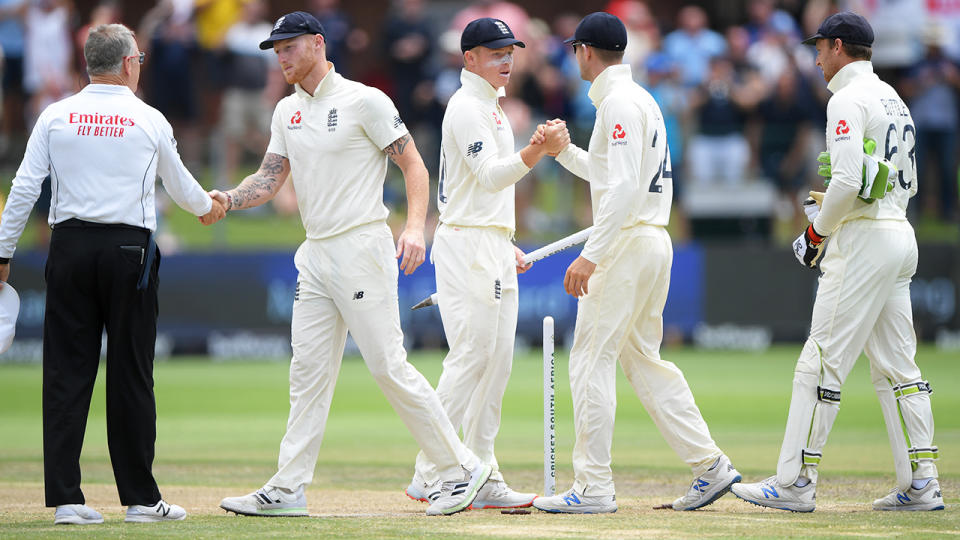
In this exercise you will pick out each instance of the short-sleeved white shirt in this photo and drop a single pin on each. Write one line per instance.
(478, 164)
(334, 140)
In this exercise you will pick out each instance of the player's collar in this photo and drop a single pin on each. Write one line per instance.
(327, 84)
(848, 73)
(606, 80)
(479, 86)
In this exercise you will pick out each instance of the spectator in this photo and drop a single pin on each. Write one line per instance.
(106, 12)
(692, 45)
(782, 141)
(344, 39)
(408, 44)
(12, 45)
(513, 14)
(48, 54)
(930, 88)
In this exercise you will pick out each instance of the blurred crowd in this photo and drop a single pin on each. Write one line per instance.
(744, 104)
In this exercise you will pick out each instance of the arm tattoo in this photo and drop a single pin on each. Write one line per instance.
(261, 184)
(397, 147)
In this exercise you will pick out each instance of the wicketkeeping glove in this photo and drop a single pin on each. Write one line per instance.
(877, 177)
(808, 247)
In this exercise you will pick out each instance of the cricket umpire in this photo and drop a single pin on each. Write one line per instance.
(332, 137)
(477, 263)
(863, 298)
(104, 149)
(621, 278)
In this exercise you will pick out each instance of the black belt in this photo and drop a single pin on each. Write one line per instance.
(150, 250)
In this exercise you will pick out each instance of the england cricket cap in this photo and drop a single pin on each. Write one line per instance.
(9, 310)
(489, 33)
(292, 25)
(601, 30)
(846, 26)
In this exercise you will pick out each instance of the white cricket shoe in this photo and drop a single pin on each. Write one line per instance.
(268, 501)
(162, 511)
(458, 495)
(572, 502)
(928, 498)
(497, 494)
(76, 514)
(709, 486)
(422, 491)
(768, 493)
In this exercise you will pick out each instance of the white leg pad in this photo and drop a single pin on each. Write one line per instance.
(910, 428)
(813, 408)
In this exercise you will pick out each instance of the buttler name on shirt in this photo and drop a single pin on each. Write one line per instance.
(100, 125)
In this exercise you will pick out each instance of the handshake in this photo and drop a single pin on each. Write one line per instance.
(553, 136)
(221, 203)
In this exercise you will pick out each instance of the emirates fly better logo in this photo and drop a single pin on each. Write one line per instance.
(842, 127)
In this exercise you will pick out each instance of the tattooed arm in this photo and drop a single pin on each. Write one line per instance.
(403, 152)
(260, 186)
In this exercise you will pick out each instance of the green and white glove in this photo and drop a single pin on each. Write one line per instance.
(878, 176)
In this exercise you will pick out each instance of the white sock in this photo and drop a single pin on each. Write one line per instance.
(920, 483)
(802, 481)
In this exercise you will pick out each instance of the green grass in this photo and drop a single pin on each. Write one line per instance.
(220, 425)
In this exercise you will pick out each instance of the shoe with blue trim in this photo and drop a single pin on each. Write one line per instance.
(928, 498)
(709, 486)
(572, 502)
(772, 495)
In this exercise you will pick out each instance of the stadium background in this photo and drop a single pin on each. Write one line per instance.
(743, 100)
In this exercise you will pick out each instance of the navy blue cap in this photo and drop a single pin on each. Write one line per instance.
(601, 30)
(489, 33)
(292, 25)
(846, 26)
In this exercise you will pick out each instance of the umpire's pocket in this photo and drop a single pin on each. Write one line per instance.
(133, 254)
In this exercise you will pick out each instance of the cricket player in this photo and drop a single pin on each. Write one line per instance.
(476, 262)
(103, 149)
(863, 300)
(621, 279)
(332, 136)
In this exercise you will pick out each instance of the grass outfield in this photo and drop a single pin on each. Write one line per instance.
(220, 425)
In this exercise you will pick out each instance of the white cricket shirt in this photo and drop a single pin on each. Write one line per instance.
(628, 162)
(863, 106)
(103, 149)
(334, 140)
(478, 164)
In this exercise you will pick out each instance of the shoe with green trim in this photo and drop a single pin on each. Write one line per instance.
(268, 501)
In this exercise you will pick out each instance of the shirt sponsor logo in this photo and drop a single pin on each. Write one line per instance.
(619, 134)
(474, 148)
(100, 125)
(332, 119)
(842, 127)
(497, 118)
(295, 121)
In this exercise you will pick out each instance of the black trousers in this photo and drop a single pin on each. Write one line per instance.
(92, 272)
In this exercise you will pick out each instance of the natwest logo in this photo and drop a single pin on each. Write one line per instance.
(295, 119)
(618, 132)
(842, 127)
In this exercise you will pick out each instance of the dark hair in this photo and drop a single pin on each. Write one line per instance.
(608, 56)
(859, 52)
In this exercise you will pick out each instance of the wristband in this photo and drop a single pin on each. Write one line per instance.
(229, 201)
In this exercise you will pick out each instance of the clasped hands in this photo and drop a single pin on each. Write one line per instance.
(553, 136)
(218, 210)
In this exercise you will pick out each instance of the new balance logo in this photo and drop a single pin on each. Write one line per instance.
(770, 491)
(474, 148)
(571, 499)
(902, 498)
(358, 295)
(701, 484)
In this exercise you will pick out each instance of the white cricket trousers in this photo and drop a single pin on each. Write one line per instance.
(477, 283)
(862, 304)
(622, 318)
(349, 282)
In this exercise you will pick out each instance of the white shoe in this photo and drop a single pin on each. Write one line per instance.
(162, 511)
(768, 493)
(76, 514)
(709, 486)
(497, 494)
(928, 498)
(268, 501)
(572, 502)
(457, 495)
(423, 492)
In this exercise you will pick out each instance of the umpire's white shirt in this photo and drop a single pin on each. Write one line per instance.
(334, 140)
(628, 164)
(863, 106)
(478, 164)
(103, 149)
